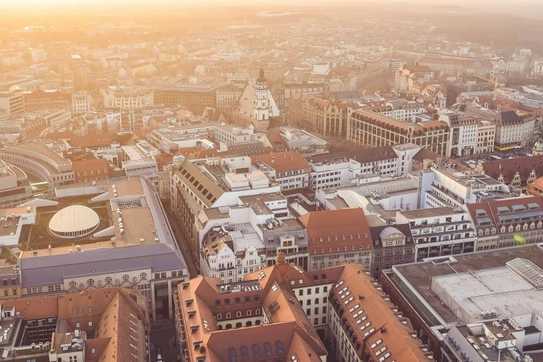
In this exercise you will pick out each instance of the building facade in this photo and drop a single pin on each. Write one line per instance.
(370, 128)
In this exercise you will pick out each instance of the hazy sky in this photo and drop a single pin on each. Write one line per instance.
(107, 3)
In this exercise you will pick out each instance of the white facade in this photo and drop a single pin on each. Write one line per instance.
(81, 103)
(257, 104)
(439, 232)
(333, 174)
(486, 136)
(244, 239)
(515, 133)
(127, 99)
(449, 188)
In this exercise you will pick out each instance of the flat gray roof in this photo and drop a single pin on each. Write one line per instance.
(416, 278)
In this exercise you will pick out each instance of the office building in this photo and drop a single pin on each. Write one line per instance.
(373, 129)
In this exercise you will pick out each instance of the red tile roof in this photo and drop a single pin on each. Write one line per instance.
(509, 167)
(386, 333)
(283, 162)
(332, 231)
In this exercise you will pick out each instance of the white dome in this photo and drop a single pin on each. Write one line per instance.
(74, 221)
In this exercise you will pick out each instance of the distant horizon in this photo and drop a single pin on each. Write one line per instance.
(293, 3)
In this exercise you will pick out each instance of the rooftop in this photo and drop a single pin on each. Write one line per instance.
(419, 278)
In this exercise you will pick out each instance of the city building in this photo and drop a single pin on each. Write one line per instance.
(300, 140)
(10, 281)
(42, 160)
(378, 196)
(48, 99)
(238, 240)
(125, 98)
(468, 134)
(193, 97)
(227, 98)
(365, 326)
(373, 129)
(387, 161)
(536, 187)
(213, 182)
(513, 130)
(91, 170)
(289, 169)
(254, 319)
(507, 222)
(12, 103)
(330, 171)
(477, 307)
(283, 313)
(338, 237)
(14, 185)
(110, 235)
(327, 117)
(392, 245)
(399, 109)
(139, 160)
(207, 136)
(256, 105)
(409, 78)
(440, 231)
(107, 324)
(81, 103)
(448, 187)
(516, 172)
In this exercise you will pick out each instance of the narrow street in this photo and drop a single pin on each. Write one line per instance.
(192, 264)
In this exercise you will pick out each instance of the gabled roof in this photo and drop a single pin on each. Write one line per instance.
(494, 212)
(509, 167)
(390, 334)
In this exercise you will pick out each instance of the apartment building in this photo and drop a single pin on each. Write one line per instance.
(284, 313)
(109, 324)
(337, 237)
(289, 169)
(392, 245)
(507, 222)
(238, 240)
(213, 182)
(440, 231)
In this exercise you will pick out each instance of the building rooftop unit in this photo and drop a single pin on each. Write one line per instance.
(488, 280)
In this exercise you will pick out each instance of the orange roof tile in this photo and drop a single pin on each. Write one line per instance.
(282, 162)
(332, 231)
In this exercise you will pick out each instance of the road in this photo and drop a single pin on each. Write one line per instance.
(192, 263)
(163, 341)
